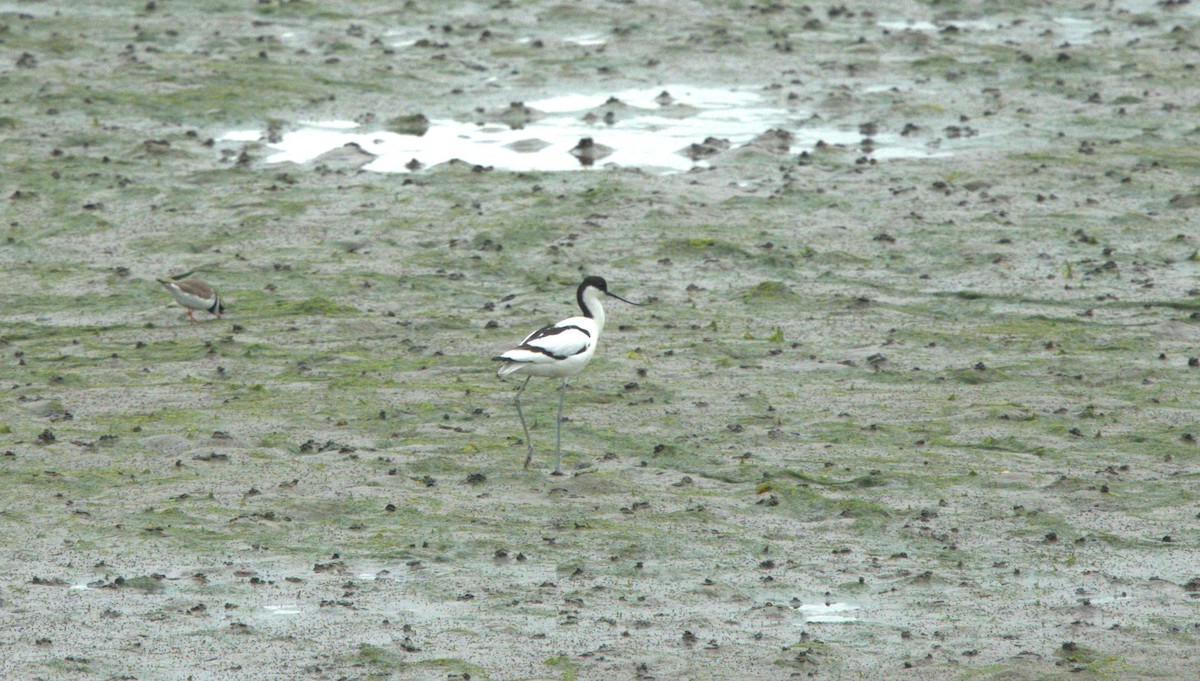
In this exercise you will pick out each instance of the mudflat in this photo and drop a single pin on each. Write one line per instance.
(914, 394)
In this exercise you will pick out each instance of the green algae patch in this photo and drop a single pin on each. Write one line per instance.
(242, 88)
(704, 247)
(1087, 658)
(873, 479)
(1007, 444)
(809, 505)
(387, 662)
(317, 306)
(565, 667)
(769, 292)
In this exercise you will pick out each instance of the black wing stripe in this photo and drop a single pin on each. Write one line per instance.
(547, 331)
(544, 351)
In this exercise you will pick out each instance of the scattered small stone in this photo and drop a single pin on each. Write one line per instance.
(588, 152)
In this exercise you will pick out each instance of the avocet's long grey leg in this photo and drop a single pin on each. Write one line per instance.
(524, 428)
(562, 395)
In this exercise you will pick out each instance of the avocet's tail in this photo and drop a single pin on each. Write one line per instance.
(508, 367)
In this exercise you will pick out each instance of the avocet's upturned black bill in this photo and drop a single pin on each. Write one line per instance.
(560, 350)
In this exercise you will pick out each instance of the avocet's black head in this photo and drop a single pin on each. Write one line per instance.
(600, 285)
(595, 282)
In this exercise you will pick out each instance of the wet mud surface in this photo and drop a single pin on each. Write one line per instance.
(914, 394)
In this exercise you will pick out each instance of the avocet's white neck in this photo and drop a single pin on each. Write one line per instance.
(589, 302)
